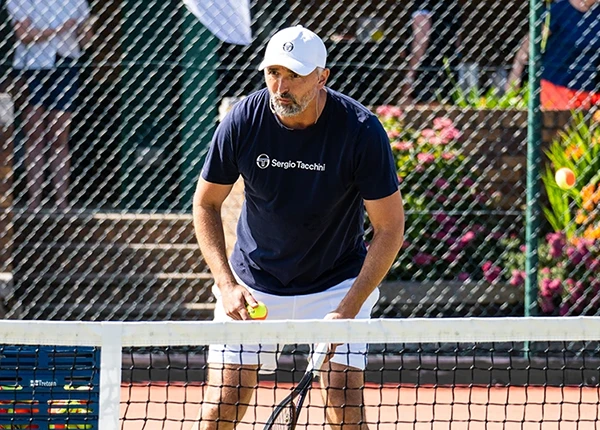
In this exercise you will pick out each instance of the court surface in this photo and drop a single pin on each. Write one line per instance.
(390, 406)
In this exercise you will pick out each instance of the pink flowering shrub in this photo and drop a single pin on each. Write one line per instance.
(568, 276)
(449, 234)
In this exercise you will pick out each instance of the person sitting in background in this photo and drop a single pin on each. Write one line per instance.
(48, 38)
(434, 51)
(570, 56)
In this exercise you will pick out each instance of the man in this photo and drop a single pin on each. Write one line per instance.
(312, 159)
(570, 56)
(434, 51)
(49, 41)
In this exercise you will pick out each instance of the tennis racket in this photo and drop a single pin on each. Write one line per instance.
(285, 416)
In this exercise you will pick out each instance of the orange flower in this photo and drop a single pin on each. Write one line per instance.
(574, 152)
(596, 196)
(587, 191)
(581, 218)
(592, 233)
(574, 240)
(587, 194)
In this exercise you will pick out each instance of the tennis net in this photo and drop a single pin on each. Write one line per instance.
(472, 373)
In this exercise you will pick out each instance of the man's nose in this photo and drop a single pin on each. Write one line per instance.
(282, 86)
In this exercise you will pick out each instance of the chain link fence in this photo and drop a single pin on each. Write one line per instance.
(107, 108)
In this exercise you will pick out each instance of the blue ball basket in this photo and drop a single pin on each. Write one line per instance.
(49, 387)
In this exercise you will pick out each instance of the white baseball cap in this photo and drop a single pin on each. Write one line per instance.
(296, 48)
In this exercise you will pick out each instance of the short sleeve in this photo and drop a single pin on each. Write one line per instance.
(375, 173)
(17, 9)
(220, 165)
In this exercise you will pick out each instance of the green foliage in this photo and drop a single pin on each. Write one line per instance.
(578, 148)
(493, 98)
(559, 212)
(569, 258)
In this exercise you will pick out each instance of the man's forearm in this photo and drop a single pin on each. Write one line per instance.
(34, 35)
(382, 252)
(521, 58)
(421, 27)
(208, 226)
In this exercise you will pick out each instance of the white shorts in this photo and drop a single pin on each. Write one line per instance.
(309, 306)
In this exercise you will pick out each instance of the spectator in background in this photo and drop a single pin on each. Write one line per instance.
(570, 56)
(49, 36)
(434, 51)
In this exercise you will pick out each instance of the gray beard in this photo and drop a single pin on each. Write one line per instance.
(286, 111)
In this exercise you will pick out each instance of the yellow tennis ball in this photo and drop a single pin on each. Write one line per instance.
(565, 178)
(260, 312)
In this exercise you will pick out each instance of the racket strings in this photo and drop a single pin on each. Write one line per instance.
(286, 419)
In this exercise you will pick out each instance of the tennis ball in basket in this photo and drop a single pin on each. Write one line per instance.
(260, 312)
(565, 178)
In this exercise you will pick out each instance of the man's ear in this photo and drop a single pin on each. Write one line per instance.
(323, 76)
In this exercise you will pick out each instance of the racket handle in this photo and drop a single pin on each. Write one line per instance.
(318, 357)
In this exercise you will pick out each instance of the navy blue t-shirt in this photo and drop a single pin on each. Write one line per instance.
(572, 54)
(301, 226)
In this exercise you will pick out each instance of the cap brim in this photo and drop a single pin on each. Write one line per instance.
(288, 62)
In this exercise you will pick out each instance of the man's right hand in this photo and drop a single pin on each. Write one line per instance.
(235, 298)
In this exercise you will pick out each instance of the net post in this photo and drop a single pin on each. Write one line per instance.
(534, 135)
(110, 374)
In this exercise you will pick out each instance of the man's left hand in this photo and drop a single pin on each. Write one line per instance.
(335, 315)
